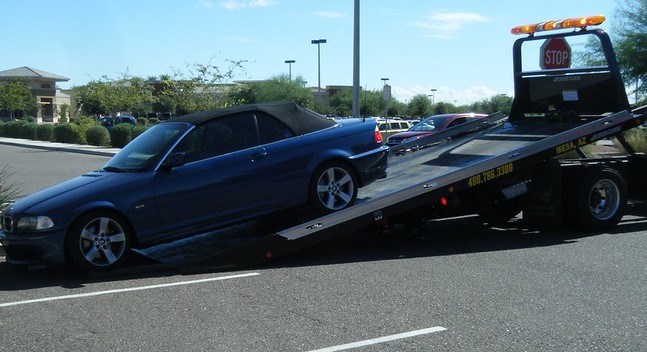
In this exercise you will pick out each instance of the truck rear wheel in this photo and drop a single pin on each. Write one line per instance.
(601, 200)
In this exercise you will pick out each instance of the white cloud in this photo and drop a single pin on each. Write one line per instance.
(330, 14)
(240, 4)
(445, 25)
(206, 3)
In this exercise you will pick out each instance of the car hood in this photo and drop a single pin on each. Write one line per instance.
(76, 185)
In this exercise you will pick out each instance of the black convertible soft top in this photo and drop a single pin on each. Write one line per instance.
(298, 119)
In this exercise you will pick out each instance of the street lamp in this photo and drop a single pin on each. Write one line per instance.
(318, 42)
(290, 62)
(433, 96)
(384, 80)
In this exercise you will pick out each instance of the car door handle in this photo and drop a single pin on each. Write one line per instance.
(258, 156)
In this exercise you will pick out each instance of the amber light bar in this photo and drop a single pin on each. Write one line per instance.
(578, 22)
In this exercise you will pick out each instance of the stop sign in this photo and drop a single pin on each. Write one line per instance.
(555, 53)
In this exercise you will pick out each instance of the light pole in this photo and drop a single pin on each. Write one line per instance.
(433, 96)
(290, 62)
(318, 42)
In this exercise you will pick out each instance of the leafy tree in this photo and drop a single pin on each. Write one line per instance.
(109, 96)
(498, 103)
(396, 108)
(370, 103)
(342, 102)
(199, 88)
(16, 97)
(631, 42)
(278, 88)
(420, 106)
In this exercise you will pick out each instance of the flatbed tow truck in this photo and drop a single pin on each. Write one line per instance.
(532, 161)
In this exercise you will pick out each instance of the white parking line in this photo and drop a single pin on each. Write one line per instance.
(381, 339)
(98, 293)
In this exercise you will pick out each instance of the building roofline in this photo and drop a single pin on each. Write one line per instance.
(31, 73)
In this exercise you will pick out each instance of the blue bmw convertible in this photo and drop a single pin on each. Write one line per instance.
(193, 174)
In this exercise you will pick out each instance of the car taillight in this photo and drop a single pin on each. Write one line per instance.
(377, 136)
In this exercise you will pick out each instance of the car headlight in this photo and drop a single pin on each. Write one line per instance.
(34, 223)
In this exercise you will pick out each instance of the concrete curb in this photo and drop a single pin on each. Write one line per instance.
(62, 147)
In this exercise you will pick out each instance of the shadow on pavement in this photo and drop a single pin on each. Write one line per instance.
(443, 238)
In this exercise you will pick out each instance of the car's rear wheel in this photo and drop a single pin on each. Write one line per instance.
(98, 241)
(334, 187)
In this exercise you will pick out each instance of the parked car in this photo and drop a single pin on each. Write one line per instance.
(111, 121)
(393, 126)
(431, 125)
(192, 174)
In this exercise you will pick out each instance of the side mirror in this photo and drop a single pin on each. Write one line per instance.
(174, 160)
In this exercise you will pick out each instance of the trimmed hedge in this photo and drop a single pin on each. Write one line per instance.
(67, 133)
(13, 129)
(121, 134)
(2, 129)
(45, 133)
(29, 131)
(97, 135)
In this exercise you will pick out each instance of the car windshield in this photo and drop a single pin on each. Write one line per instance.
(429, 124)
(147, 149)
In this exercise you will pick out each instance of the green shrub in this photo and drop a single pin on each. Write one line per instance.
(9, 191)
(153, 121)
(97, 135)
(67, 133)
(13, 129)
(637, 138)
(29, 131)
(139, 129)
(2, 129)
(45, 132)
(141, 121)
(121, 134)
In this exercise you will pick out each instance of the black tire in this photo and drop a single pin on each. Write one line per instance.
(333, 187)
(98, 241)
(601, 200)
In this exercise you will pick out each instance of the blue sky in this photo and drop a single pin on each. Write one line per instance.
(461, 48)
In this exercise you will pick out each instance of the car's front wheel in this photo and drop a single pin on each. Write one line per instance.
(98, 241)
(334, 187)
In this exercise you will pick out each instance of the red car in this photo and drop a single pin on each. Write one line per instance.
(431, 125)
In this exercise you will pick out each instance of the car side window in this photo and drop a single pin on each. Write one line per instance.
(219, 136)
(270, 129)
(456, 122)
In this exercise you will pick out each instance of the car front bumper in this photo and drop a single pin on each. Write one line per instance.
(45, 248)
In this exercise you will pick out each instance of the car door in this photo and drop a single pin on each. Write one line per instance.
(222, 178)
(289, 158)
